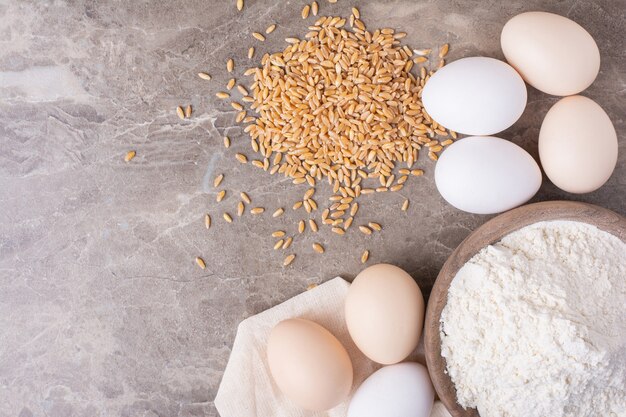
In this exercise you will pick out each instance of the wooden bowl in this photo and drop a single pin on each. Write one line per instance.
(491, 232)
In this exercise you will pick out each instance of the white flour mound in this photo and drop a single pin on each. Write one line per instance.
(535, 325)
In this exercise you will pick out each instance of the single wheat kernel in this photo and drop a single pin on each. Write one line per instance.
(366, 230)
(356, 13)
(258, 36)
(313, 225)
(287, 242)
(318, 248)
(222, 95)
(251, 52)
(240, 5)
(241, 158)
(305, 11)
(240, 208)
(310, 287)
(226, 142)
(289, 259)
(129, 156)
(257, 210)
(242, 90)
(227, 217)
(236, 106)
(338, 230)
(204, 76)
(365, 256)
(218, 180)
(220, 196)
(278, 212)
(207, 221)
(297, 205)
(444, 50)
(417, 172)
(231, 84)
(315, 8)
(301, 226)
(245, 197)
(375, 226)
(405, 205)
(278, 233)
(270, 29)
(200, 262)
(348, 222)
(180, 112)
(279, 244)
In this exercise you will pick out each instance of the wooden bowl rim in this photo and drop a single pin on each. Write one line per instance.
(491, 232)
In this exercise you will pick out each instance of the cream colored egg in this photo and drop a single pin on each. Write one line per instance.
(577, 145)
(552, 53)
(385, 313)
(309, 365)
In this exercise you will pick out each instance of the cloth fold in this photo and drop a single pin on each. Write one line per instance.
(247, 388)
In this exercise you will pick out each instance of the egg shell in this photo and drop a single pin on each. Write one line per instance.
(475, 96)
(309, 365)
(485, 175)
(385, 313)
(577, 145)
(552, 53)
(401, 390)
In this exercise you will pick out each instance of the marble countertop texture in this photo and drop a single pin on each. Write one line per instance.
(103, 311)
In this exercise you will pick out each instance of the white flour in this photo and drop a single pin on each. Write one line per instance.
(535, 326)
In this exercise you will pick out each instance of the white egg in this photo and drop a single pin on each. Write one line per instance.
(486, 175)
(475, 96)
(401, 390)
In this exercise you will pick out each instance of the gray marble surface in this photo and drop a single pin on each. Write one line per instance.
(103, 311)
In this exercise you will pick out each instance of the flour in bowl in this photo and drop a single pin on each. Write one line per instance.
(535, 325)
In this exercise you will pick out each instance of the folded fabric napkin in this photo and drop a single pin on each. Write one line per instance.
(247, 388)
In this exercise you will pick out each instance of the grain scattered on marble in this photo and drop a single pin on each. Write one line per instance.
(375, 226)
(365, 230)
(200, 262)
(245, 197)
(129, 156)
(289, 259)
(218, 180)
(444, 50)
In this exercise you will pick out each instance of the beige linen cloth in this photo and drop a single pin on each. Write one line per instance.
(247, 388)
